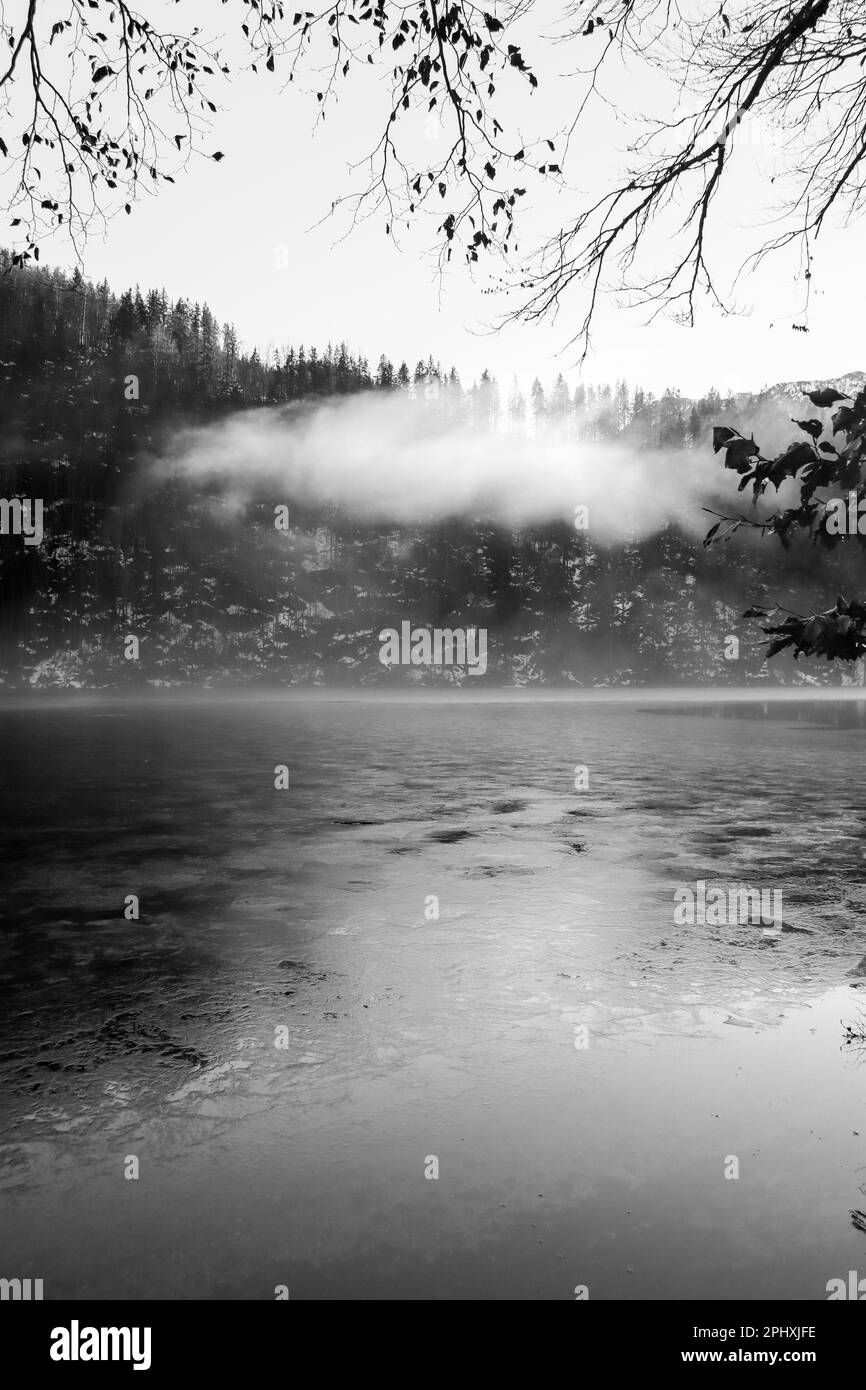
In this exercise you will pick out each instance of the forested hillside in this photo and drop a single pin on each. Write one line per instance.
(224, 600)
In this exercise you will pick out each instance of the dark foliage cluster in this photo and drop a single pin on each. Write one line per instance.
(825, 474)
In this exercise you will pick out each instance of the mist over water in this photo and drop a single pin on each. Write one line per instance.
(396, 457)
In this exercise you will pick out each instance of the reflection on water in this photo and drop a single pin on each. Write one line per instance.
(412, 1034)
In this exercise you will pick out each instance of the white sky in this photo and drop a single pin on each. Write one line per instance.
(215, 234)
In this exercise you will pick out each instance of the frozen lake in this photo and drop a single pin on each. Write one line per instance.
(426, 917)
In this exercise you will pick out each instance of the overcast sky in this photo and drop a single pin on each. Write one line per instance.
(216, 235)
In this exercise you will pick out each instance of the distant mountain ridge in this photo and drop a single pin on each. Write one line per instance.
(850, 383)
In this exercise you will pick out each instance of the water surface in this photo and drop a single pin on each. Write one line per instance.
(430, 910)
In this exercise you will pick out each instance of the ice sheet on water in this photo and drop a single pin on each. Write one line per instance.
(554, 905)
